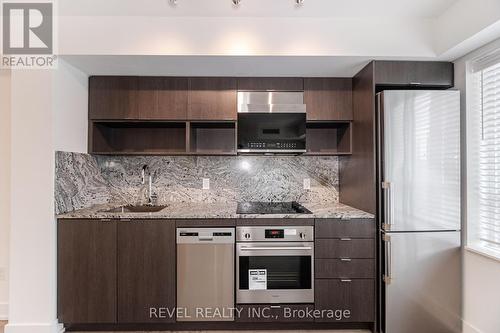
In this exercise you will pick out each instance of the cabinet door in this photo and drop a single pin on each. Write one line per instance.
(414, 73)
(162, 98)
(393, 72)
(113, 97)
(434, 74)
(146, 270)
(328, 98)
(357, 296)
(86, 271)
(212, 98)
(271, 83)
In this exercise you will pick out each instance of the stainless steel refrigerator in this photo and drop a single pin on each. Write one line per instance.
(418, 149)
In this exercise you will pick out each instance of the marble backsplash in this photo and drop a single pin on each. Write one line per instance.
(83, 180)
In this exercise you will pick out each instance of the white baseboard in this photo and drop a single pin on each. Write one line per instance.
(468, 328)
(34, 328)
(4, 311)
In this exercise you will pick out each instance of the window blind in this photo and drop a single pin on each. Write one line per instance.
(483, 156)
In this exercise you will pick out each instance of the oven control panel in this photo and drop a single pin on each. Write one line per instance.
(275, 234)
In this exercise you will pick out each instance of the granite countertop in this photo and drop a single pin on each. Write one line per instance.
(214, 211)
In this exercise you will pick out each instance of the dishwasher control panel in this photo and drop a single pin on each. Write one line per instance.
(200, 235)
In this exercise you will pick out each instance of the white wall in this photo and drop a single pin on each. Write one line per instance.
(455, 32)
(4, 190)
(48, 113)
(481, 274)
(32, 282)
(259, 36)
(70, 102)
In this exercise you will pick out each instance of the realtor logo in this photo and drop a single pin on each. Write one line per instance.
(28, 34)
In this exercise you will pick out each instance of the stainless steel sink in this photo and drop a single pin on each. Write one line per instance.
(135, 209)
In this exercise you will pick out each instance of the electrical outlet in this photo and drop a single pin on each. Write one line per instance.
(206, 183)
(307, 183)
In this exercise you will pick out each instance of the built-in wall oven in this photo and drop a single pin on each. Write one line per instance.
(274, 264)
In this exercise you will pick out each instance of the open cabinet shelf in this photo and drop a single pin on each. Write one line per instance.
(138, 138)
(212, 138)
(328, 138)
(110, 137)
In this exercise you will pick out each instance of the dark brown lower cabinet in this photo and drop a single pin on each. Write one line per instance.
(357, 296)
(146, 271)
(86, 271)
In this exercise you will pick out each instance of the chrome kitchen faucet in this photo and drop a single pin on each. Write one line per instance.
(152, 197)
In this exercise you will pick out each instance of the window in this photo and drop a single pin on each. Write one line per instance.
(483, 154)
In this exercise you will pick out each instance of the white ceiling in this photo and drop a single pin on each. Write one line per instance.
(257, 8)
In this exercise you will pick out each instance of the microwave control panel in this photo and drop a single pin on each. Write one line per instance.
(273, 145)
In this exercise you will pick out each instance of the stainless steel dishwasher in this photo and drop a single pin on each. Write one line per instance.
(205, 274)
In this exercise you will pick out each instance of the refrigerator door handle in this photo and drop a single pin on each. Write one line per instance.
(386, 186)
(388, 259)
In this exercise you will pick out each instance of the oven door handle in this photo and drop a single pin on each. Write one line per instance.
(278, 248)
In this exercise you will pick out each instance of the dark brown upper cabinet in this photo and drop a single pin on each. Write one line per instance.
(212, 98)
(414, 73)
(328, 98)
(271, 83)
(162, 98)
(146, 270)
(113, 97)
(86, 271)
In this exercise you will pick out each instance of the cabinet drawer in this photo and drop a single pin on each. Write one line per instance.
(348, 248)
(337, 228)
(345, 268)
(355, 296)
(267, 313)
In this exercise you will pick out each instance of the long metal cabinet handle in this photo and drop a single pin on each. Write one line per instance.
(386, 186)
(388, 259)
(284, 248)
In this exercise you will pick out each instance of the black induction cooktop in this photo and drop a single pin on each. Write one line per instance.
(257, 207)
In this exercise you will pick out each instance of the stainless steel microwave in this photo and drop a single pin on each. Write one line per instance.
(271, 122)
